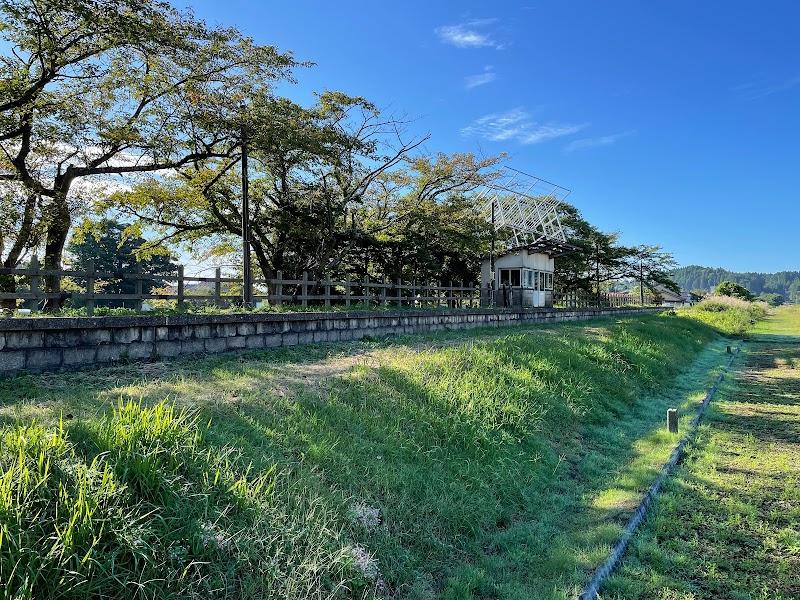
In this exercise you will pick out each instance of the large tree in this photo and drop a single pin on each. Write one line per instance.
(329, 185)
(98, 88)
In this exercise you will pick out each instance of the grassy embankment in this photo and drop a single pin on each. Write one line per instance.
(485, 464)
(728, 523)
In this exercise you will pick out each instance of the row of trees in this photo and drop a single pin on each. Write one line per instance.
(783, 283)
(136, 110)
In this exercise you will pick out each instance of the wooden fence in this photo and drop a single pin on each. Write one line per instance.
(591, 300)
(226, 291)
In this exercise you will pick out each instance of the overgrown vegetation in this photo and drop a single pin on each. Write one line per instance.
(729, 315)
(488, 464)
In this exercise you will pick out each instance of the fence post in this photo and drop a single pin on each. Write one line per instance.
(347, 291)
(366, 290)
(218, 287)
(90, 288)
(327, 293)
(137, 286)
(438, 294)
(279, 288)
(384, 302)
(33, 274)
(399, 292)
(304, 289)
(181, 291)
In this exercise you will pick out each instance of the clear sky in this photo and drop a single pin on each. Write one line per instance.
(676, 123)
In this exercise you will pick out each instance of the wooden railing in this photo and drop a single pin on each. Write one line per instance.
(304, 292)
(297, 292)
(592, 300)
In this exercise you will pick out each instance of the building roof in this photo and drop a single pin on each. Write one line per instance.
(553, 248)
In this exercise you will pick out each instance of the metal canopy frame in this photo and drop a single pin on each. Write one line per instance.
(525, 204)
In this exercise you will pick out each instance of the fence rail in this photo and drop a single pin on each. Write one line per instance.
(224, 292)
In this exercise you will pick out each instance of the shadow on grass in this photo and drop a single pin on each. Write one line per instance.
(481, 457)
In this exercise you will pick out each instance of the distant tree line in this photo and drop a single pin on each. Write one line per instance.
(783, 283)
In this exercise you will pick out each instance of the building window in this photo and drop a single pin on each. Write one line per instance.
(510, 277)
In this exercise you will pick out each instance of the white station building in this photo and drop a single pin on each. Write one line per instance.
(523, 276)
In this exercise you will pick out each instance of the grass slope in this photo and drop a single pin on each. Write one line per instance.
(727, 524)
(488, 464)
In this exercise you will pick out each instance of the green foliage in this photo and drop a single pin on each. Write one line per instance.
(772, 299)
(424, 467)
(114, 250)
(728, 288)
(92, 89)
(729, 315)
(785, 283)
(601, 260)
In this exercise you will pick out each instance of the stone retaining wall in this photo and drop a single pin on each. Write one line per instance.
(59, 344)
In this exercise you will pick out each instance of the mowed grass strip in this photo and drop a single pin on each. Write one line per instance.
(728, 523)
(488, 464)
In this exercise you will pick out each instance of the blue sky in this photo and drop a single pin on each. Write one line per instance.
(676, 123)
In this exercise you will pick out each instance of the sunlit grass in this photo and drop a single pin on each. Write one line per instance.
(727, 525)
(496, 463)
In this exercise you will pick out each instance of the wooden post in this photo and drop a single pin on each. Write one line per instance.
(672, 420)
(90, 288)
(181, 288)
(347, 291)
(218, 287)
(137, 286)
(438, 294)
(327, 293)
(384, 301)
(33, 273)
(399, 292)
(366, 290)
(279, 288)
(728, 349)
(304, 288)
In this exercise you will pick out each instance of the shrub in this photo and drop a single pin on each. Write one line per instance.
(728, 314)
(729, 288)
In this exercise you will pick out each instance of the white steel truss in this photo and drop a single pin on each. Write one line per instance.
(526, 205)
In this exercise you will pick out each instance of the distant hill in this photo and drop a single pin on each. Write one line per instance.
(785, 283)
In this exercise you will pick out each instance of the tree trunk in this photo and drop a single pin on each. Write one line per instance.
(57, 233)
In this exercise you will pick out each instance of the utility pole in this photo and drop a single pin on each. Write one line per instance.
(491, 262)
(641, 281)
(247, 276)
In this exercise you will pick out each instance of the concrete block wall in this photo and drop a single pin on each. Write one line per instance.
(39, 344)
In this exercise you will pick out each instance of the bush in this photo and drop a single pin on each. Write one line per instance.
(728, 314)
(728, 288)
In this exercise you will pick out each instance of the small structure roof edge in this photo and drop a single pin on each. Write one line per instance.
(553, 248)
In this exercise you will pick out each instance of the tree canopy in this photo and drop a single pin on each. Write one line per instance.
(728, 288)
(95, 88)
(136, 110)
(113, 249)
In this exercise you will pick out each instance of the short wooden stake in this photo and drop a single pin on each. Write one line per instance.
(672, 420)
(728, 349)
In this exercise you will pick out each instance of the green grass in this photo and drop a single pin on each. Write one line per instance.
(730, 316)
(487, 464)
(727, 524)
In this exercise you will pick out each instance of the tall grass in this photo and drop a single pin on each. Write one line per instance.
(730, 316)
(137, 506)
